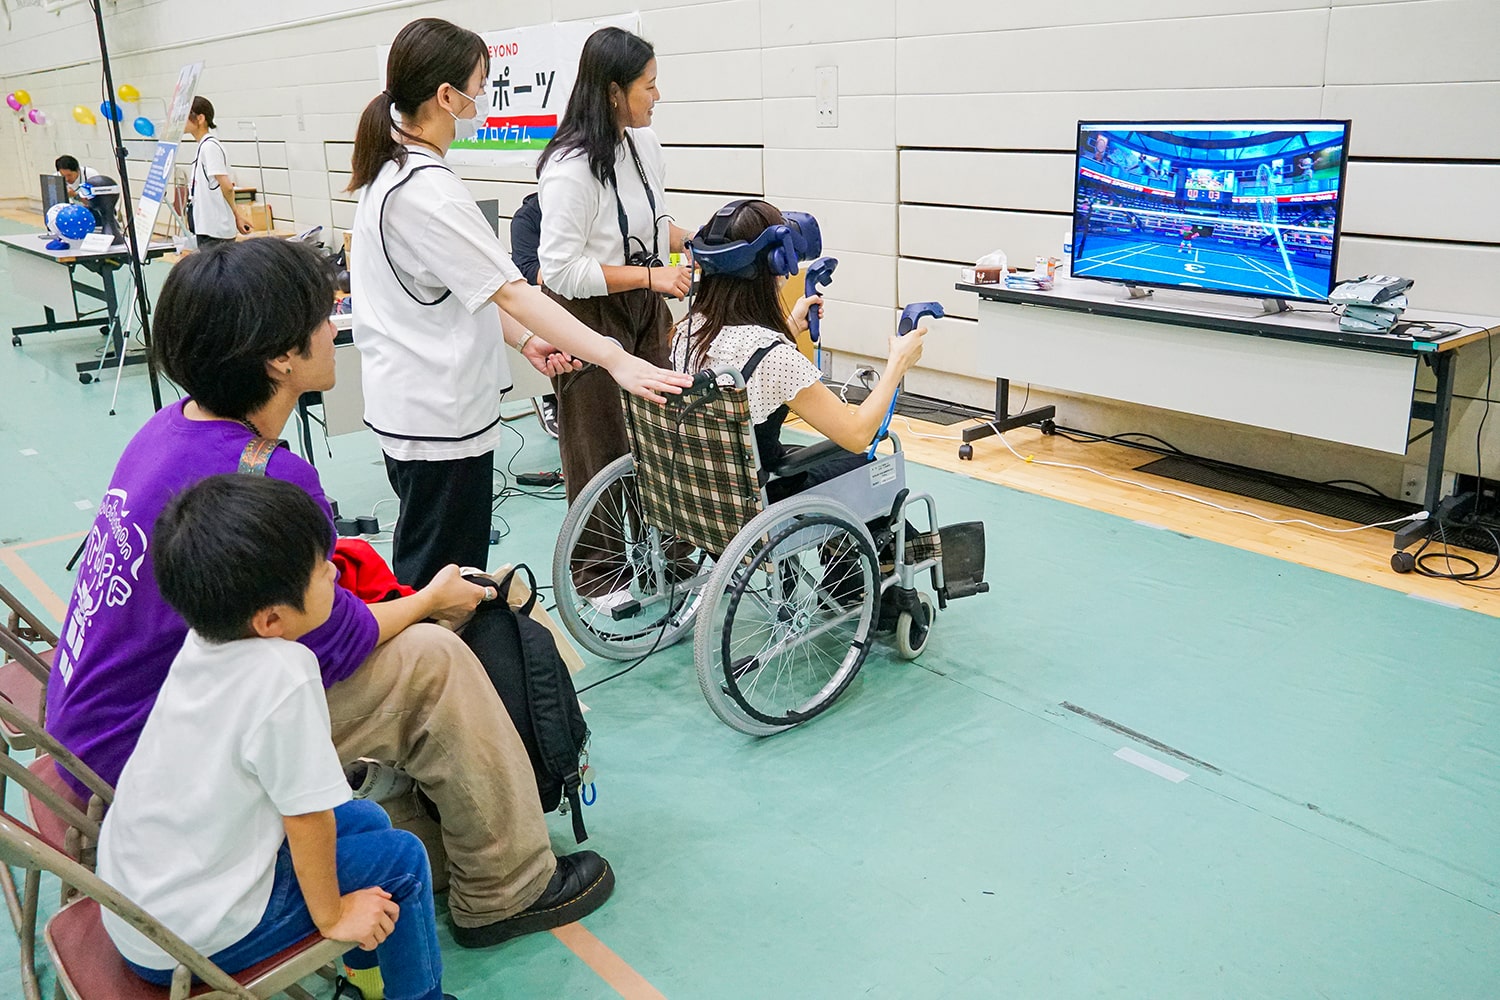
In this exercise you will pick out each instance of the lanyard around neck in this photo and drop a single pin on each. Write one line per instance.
(623, 219)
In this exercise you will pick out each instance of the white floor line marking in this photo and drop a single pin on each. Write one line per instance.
(1151, 764)
(1437, 600)
(28, 452)
(83, 504)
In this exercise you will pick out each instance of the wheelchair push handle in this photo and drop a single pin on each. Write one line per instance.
(819, 275)
(911, 318)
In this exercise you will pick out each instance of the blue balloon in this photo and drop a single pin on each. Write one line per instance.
(144, 127)
(111, 110)
(74, 222)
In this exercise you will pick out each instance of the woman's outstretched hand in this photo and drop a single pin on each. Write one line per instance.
(641, 378)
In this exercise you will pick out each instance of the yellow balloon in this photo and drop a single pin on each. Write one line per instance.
(24, 96)
(84, 116)
(128, 93)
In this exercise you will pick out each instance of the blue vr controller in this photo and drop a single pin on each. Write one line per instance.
(911, 318)
(819, 274)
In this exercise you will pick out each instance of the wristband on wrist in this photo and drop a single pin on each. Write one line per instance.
(525, 339)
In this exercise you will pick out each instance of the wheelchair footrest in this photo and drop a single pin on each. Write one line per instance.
(962, 548)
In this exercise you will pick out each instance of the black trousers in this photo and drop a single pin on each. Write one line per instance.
(445, 515)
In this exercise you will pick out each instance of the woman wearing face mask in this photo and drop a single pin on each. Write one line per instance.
(427, 275)
(605, 241)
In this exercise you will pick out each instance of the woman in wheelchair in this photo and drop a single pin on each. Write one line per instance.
(737, 321)
(783, 569)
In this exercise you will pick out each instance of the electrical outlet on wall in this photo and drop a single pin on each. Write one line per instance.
(1414, 483)
(826, 96)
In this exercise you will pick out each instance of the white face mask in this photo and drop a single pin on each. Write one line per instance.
(467, 128)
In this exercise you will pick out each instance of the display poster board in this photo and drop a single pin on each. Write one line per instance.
(154, 190)
(532, 70)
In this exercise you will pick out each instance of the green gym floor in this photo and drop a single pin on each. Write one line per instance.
(1145, 765)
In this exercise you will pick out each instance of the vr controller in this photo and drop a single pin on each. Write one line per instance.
(911, 318)
(783, 247)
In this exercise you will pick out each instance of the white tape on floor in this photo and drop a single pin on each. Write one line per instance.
(83, 504)
(1151, 764)
(28, 452)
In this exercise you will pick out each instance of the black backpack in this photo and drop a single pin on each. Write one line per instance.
(521, 658)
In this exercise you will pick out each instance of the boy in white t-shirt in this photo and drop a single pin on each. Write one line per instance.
(232, 822)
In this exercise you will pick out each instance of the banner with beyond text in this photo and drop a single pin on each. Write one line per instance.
(154, 190)
(532, 70)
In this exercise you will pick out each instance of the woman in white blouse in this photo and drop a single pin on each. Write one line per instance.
(605, 240)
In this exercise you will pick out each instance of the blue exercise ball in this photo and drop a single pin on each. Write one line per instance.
(143, 126)
(74, 222)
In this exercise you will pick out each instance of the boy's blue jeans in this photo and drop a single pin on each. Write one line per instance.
(370, 853)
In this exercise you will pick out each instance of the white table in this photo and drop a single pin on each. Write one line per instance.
(50, 277)
(1226, 358)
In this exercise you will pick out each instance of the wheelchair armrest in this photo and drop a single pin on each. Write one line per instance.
(802, 459)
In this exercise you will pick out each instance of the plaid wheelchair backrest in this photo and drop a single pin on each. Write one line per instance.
(696, 466)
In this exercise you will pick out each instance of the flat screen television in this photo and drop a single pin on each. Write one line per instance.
(1235, 207)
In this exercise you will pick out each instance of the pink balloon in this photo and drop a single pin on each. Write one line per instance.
(13, 102)
(37, 116)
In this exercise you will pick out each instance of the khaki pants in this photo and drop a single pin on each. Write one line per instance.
(422, 702)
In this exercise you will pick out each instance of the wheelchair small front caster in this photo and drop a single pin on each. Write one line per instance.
(85, 378)
(966, 452)
(1403, 562)
(1049, 427)
(15, 341)
(911, 634)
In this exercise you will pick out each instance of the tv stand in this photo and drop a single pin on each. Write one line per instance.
(1006, 421)
(1137, 292)
(1274, 306)
(1295, 371)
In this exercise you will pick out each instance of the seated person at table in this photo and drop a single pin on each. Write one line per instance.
(76, 176)
(739, 322)
(245, 331)
(232, 823)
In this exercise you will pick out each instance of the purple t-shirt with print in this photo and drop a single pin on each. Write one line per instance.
(119, 636)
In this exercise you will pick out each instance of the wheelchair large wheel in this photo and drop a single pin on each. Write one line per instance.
(788, 615)
(605, 548)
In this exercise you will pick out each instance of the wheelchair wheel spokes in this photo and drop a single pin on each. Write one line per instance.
(622, 586)
(792, 623)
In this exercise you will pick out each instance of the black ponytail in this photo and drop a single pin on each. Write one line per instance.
(426, 54)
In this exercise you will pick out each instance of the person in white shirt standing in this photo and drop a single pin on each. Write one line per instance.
(428, 272)
(604, 243)
(232, 823)
(212, 213)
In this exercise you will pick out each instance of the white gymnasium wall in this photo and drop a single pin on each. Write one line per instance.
(956, 121)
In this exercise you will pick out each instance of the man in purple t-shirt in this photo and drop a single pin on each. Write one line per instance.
(400, 689)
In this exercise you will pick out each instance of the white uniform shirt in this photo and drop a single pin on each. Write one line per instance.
(431, 349)
(237, 739)
(781, 374)
(580, 226)
(212, 215)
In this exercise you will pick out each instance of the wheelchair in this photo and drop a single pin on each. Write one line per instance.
(785, 598)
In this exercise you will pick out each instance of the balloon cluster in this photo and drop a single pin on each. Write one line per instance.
(111, 110)
(17, 100)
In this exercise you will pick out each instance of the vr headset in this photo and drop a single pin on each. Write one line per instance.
(784, 247)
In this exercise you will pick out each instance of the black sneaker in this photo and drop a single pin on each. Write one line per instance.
(546, 413)
(581, 884)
